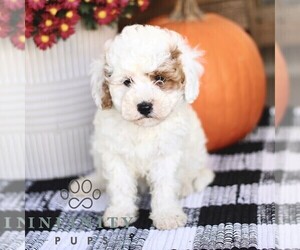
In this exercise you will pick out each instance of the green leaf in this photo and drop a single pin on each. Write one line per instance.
(85, 8)
(89, 23)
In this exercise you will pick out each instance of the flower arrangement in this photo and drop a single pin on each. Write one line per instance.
(47, 21)
(12, 22)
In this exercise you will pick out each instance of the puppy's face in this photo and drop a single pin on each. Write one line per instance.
(144, 94)
(143, 75)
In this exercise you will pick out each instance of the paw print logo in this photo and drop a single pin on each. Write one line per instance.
(84, 189)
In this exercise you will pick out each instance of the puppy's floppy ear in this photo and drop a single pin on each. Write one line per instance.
(192, 69)
(99, 85)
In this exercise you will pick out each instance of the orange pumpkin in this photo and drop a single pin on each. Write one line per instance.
(233, 88)
(281, 86)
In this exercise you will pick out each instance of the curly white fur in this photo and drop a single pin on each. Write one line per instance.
(166, 149)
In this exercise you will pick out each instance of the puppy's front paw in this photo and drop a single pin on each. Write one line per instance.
(171, 219)
(185, 190)
(205, 177)
(117, 217)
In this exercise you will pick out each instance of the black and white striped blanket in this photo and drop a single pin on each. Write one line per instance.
(253, 203)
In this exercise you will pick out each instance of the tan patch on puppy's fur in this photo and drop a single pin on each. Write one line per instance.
(175, 53)
(171, 71)
(106, 101)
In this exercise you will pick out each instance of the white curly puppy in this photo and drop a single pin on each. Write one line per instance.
(145, 129)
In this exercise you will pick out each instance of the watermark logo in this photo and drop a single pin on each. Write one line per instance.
(76, 190)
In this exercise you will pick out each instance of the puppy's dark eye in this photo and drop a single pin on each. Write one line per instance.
(127, 82)
(159, 80)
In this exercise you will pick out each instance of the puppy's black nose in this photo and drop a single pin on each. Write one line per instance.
(145, 108)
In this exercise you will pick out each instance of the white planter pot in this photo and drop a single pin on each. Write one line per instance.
(59, 107)
(12, 111)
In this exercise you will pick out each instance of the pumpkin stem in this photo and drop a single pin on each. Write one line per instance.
(186, 10)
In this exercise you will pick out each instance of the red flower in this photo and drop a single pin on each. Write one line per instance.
(91, 1)
(72, 16)
(71, 4)
(44, 41)
(96, 1)
(124, 3)
(48, 23)
(105, 15)
(36, 4)
(53, 8)
(65, 29)
(21, 24)
(4, 14)
(112, 3)
(14, 4)
(18, 39)
(143, 4)
(28, 29)
(4, 30)
(29, 14)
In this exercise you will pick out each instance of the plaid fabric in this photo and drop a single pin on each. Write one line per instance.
(253, 203)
